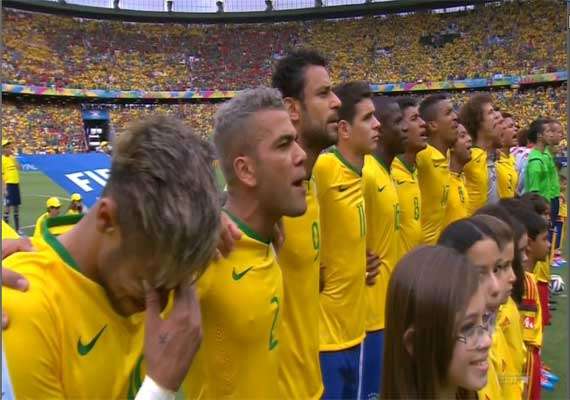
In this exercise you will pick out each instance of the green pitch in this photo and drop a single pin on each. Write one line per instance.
(36, 188)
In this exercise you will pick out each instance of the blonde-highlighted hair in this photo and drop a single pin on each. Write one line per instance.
(168, 209)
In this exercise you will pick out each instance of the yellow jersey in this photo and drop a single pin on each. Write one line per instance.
(457, 200)
(507, 176)
(240, 299)
(343, 252)
(542, 271)
(8, 232)
(476, 180)
(409, 196)
(512, 375)
(531, 312)
(10, 169)
(433, 176)
(383, 226)
(299, 258)
(69, 341)
(39, 223)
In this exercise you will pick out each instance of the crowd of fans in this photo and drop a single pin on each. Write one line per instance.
(512, 38)
(58, 127)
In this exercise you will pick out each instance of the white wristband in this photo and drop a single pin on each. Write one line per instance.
(150, 390)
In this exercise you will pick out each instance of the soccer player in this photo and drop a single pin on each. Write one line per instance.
(433, 164)
(383, 233)
(550, 152)
(11, 183)
(241, 295)
(458, 197)
(76, 205)
(303, 80)
(153, 230)
(405, 175)
(343, 243)
(507, 175)
(53, 207)
(480, 119)
(437, 335)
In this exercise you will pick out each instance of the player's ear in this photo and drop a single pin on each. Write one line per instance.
(432, 126)
(409, 340)
(343, 129)
(106, 216)
(293, 108)
(244, 169)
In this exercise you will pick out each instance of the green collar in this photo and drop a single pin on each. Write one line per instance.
(55, 244)
(409, 167)
(246, 229)
(345, 162)
(382, 163)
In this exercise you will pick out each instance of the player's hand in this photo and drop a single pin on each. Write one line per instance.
(11, 246)
(12, 280)
(229, 233)
(171, 344)
(372, 267)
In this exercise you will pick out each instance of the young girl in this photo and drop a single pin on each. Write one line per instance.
(488, 243)
(530, 307)
(437, 336)
(510, 344)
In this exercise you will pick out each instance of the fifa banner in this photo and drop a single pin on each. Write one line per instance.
(85, 174)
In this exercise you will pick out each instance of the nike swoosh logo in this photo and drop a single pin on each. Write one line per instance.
(84, 349)
(238, 276)
(381, 189)
(400, 182)
(342, 188)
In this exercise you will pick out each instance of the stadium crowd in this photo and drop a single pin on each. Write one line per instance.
(58, 128)
(519, 38)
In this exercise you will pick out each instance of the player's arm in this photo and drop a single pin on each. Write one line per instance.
(32, 344)
(372, 259)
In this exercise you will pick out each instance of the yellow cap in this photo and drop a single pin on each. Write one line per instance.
(6, 142)
(75, 197)
(104, 143)
(53, 202)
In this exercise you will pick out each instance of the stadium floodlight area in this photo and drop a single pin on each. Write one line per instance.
(210, 6)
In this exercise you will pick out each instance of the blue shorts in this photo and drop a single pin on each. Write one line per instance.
(373, 350)
(13, 194)
(341, 372)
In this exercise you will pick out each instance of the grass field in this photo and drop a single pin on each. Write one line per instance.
(36, 188)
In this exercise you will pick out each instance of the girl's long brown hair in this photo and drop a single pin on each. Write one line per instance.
(429, 291)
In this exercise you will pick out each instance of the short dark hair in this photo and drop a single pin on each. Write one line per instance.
(350, 94)
(535, 201)
(536, 128)
(522, 137)
(406, 102)
(428, 106)
(471, 113)
(506, 115)
(534, 223)
(382, 106)
(289, 73)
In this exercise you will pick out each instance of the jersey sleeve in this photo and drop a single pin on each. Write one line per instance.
(31, 341)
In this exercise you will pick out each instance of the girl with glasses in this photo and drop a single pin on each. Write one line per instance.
(437, 333)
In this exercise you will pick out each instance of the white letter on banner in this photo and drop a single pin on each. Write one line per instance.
(104, 172)
(81, 182)
(96, 178)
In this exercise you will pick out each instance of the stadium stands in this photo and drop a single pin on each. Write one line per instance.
(519, 38)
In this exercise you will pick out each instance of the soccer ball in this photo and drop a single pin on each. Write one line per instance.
(557, 284)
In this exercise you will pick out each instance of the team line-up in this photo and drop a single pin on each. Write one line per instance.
(366, 247)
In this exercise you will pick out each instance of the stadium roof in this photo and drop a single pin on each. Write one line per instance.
(234, 11)
(210, 6)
